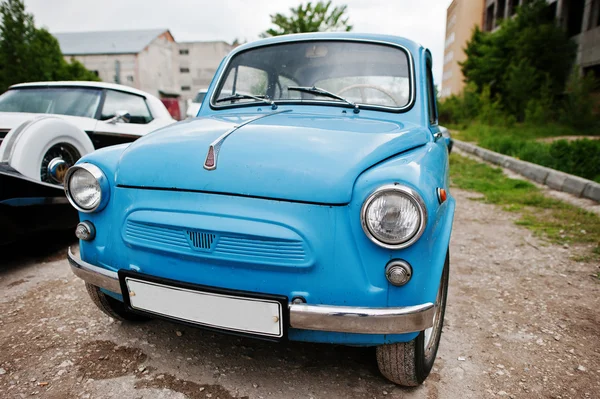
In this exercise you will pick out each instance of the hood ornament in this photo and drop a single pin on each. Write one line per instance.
(210, 163)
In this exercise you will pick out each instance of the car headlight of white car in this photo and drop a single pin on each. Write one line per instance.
(87, 188)
(394, 216)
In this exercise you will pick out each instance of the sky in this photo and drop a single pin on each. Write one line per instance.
(423, 21)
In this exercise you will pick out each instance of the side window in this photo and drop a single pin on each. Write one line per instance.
(245, 80)
(431, 96)
(116, 101)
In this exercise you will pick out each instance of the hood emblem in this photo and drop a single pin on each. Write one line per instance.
(210, 163)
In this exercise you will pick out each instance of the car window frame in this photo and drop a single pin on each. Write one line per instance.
(411, 79)
(432, 110)
(103, 99)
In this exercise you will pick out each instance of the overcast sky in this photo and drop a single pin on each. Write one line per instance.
(423, 21)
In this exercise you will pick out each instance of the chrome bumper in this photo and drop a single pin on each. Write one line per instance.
(346, 319)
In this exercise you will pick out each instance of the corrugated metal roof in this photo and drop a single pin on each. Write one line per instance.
(109, 42)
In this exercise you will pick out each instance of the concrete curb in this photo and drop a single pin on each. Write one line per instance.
(540, 174)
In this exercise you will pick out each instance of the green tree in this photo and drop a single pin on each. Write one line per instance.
(30, 54)
(517, 60)
(309, 17)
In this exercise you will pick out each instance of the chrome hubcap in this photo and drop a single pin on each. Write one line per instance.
(57, 160)
(57, 169)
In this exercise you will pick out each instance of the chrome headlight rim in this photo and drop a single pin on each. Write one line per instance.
(100, 177)
(413, 196)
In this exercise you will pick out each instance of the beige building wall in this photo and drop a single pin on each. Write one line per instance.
(107, 66)
(198, 62)
(461, 18)
(157, 66)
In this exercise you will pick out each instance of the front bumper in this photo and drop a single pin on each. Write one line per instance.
(345, 319)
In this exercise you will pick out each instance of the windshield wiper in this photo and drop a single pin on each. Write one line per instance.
(322, 92)
(239, 96)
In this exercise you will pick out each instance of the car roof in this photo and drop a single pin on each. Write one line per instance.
(96, 85)
(410, 45)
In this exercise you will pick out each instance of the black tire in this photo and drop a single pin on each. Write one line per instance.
(409, 363)
(112, 307)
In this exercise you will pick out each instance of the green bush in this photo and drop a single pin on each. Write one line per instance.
(578, 157)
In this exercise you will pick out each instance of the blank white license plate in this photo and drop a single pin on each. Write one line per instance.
(234, 313)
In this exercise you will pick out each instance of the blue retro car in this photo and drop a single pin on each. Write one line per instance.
(308, 201)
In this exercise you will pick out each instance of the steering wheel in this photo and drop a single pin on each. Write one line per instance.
(363, 86)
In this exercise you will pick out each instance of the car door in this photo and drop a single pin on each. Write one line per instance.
(111, 131)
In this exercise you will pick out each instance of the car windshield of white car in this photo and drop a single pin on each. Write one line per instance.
(370, 74)
(73, 101)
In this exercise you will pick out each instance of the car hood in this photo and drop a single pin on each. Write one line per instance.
(288, 156)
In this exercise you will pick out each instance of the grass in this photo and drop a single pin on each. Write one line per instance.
(549, 218)
(478, 132)
(577, 157)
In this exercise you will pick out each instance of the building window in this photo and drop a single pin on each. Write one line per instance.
(512, 8)
(130, 78)
(489, 18)
(500, 11)
(575, 17)
(451, 22)
(450, 39)
(448, 57)
(186, 88)
(184, 70)
(95, 73)
(447, 75)
(184, 51)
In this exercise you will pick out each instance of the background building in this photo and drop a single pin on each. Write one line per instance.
(149, 60)
(461, 18)
(580, 19)
(198, 62)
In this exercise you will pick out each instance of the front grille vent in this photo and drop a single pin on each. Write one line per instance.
(201, 241)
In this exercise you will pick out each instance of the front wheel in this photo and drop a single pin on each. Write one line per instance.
(409, 363)
(112, 307)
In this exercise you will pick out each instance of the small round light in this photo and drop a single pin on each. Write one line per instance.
(393, 216)
(85, 231)
(398, 272)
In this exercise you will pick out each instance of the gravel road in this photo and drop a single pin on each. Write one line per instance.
(523, 321)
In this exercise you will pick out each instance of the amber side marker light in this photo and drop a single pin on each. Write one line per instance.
(441, 194)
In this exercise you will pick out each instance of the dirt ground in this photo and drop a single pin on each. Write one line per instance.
(523, 321)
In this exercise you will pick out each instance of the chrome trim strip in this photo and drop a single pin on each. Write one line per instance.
(94, 275)
(412, 195)
(215, 146)
(349, 319)
(100, 177)
(411, 70)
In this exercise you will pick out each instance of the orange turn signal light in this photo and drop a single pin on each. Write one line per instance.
(441, 194)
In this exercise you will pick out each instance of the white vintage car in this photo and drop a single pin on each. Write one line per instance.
(45, 128)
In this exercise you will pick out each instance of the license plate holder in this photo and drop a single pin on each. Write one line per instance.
(231, 311)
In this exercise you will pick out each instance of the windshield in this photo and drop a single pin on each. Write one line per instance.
(363, 73)
(199, 97)
(73, 101)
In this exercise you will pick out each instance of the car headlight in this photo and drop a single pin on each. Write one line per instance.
(394, 216)
(87, 188)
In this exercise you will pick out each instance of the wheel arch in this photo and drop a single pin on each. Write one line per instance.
(25, 146)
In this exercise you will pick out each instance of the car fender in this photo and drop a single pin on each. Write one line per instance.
(24, 146)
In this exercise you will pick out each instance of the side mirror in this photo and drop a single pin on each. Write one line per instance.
(120, 116)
